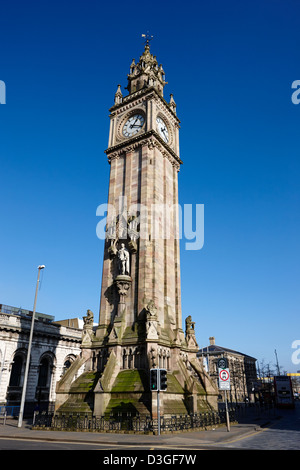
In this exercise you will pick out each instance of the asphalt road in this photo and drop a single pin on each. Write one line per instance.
(281, 434)
(279, 431)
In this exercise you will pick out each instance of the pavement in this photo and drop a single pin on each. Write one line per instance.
(215, 437)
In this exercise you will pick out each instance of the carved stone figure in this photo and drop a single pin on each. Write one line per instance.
(88, 319)
(151, 321)
(151, 309)
(123, 260)
(190, 336)
(87, 332)
(152, 357)
(189, 325)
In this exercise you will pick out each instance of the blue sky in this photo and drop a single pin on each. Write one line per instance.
(230, 66)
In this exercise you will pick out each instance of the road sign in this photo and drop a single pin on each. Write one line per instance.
(224, 379)
(222, 363)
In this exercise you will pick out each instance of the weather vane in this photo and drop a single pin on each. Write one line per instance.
(148, 37)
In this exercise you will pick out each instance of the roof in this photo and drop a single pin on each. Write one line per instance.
(214, 349)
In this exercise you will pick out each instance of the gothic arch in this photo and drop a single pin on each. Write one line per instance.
(67, 362)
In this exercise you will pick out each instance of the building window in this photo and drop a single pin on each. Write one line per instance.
(16, 372)
(67, 365)
(43, 374)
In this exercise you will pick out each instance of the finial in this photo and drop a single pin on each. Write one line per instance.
(148, 37)
(118, 95)
(172, 103)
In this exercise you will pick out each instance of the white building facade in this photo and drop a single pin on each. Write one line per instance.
(54, 347)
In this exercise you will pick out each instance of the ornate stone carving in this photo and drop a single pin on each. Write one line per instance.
(123, 286)
(123, 283)
(88, 320)
(122, 228)
(189, 325)
(87, 332)
(190, 337)
(151, 310)
(153, 357)
(151, 321)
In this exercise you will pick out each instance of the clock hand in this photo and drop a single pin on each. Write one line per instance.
(165, 136)
(133, 125)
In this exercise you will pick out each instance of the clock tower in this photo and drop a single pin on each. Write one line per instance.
(140, 320)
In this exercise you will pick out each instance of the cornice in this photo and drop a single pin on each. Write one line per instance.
(141, 94)
(21, 326)
(150, 138)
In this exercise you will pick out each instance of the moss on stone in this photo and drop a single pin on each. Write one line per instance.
(130, 381)
(120, 405)
(173, 384)
(85, 383)
(130, 333)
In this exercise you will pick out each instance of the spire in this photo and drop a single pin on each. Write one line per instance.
(118, 95)
(172, 104)
(146, 73)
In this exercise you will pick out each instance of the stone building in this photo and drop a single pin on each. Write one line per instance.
(140, 319)
(54, 348)
(242, 368)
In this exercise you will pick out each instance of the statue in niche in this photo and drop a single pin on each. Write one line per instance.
(123, 260)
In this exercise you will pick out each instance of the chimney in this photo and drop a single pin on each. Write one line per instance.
(212, 340)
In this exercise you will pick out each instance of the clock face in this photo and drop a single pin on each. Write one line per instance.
(162, 129)
(133, 125)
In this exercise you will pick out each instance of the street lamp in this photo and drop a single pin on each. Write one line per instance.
(29, 350)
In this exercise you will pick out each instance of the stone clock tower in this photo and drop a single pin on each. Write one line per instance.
(140, 321)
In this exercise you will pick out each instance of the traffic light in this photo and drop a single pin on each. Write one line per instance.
(153, 379)
(163, 379)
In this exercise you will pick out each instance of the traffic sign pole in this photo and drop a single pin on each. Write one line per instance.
(158, 414)
(158, 383)
(224, 384)
(227, 414)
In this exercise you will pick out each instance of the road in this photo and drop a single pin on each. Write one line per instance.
(30, 444)
(282, 434)
(276, 432)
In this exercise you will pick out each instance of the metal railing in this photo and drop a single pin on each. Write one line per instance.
(9, 410)
(126, 422)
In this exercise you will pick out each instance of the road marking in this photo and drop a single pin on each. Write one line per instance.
(93, 443)
(247, 435)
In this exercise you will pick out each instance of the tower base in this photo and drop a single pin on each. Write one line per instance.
(115, 378)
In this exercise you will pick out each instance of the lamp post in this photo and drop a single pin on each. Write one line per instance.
(29, 351)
